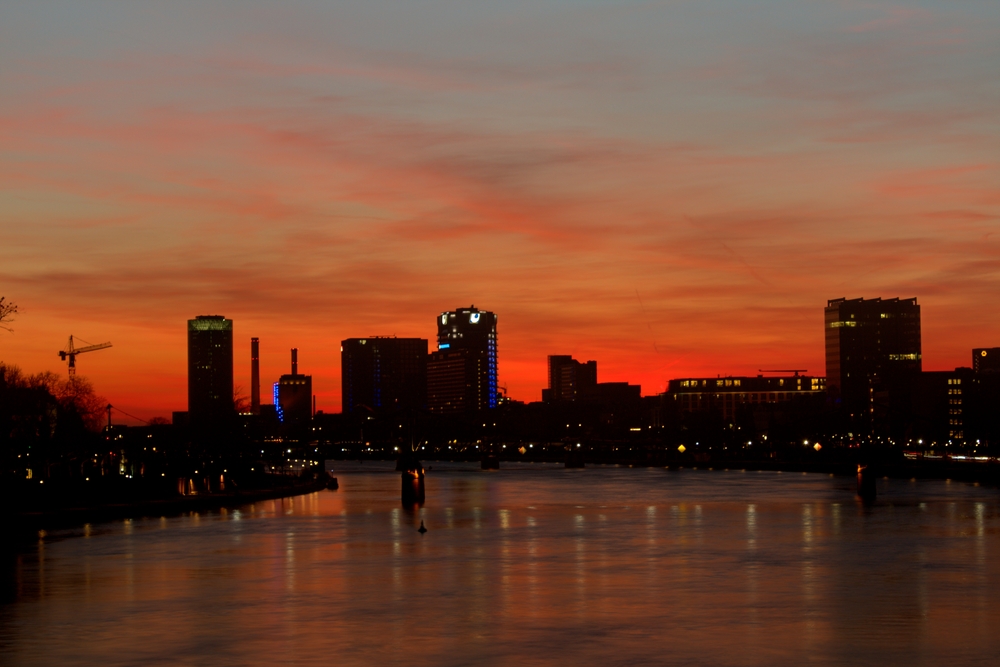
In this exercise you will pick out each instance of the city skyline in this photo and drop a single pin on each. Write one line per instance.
(582, 332)
(670, 193)
(546, 362)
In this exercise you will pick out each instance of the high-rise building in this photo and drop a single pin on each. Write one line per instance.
(983, 423)
(450, 375)
(255, 376)
(570, 379)
(873, 357)
(986, 360)
(293, 395)
(383, 374)
(210, 369)
(462, 373)
(945, 403)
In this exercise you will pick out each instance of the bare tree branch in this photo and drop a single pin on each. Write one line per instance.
(7, 312)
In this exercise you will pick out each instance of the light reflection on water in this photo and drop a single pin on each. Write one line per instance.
(535, 565)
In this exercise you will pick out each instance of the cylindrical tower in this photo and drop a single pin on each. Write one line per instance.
(255, 376)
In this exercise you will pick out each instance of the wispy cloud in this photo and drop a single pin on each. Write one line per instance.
(318, 179)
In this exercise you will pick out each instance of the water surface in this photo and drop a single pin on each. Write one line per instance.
(529, 565)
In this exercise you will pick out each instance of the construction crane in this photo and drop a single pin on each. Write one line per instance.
(794, 370)
(72, 351)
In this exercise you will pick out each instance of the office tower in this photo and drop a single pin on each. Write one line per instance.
(293, 395)
(570, 379)
(945, 406)
(254, 376)
(986, 360)
(462, 373)
(450, 376)
(210, 369)
(383, 374)
(873, 357)
(983, 422)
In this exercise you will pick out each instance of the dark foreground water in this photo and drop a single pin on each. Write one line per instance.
(530, 566)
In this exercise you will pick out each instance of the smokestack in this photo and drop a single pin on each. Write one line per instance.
(254, 376)
(295, 361)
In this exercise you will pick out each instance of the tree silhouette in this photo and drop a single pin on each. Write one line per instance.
(7, 312)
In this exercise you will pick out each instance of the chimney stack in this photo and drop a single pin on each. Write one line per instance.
(295, 361)
(255, 376)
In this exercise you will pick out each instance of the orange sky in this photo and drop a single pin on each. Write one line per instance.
(669, 188)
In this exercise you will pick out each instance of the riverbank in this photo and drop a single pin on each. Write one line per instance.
(65, 517)
(959, 470)
(986, 474)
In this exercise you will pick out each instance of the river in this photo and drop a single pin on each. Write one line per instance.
(529, 565)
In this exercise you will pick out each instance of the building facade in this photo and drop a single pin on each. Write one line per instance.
(462, 372)
(725, 396)
(383, 374)
(944, 405)
(210, 369)
(873, 358)
(570, 379)
(293, 395)
(986, 360)
(983, 424)
(449, 378)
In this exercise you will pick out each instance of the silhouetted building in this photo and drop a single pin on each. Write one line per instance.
(873, 359)
(944, 403)
(255, 376)
(383, 374)
(210, 369)
(293, 395)
(617, 392)
(570, 379)
(983, 406)
(986, 360)
(724, 396)
(462, 373)
(450, 376)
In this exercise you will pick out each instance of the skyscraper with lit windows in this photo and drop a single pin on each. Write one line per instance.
(462, 373)
(210, 369)
(873, 357)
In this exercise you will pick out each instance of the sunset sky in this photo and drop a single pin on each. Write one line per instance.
(670, 188)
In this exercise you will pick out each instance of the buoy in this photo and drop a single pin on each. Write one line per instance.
(421, 530)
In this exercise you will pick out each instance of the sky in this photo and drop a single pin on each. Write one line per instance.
(674, 188)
